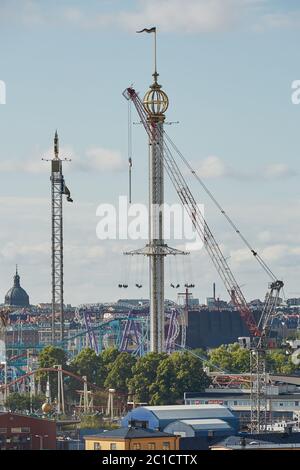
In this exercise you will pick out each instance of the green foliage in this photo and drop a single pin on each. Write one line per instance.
(163, 390)
(235, 359)
(121, 372)
(222, 358)
(231, 358)
(279, 363)
(190, 375)
(109, 356)
(200, 352)
(88, 364)
(176, 374)
(91, 422)
(144, 375)
(49, 357)
(23, 402)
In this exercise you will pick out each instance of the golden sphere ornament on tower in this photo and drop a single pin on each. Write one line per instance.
(46, 408)
(156, 101)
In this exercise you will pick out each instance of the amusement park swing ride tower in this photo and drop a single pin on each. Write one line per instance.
(156, 103)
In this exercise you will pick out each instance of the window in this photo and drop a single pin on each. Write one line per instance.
(97, 446)
(113, 446)
(19, 430)
(3, 430)
(136, 446)
(235, 403)
(151, 446)
(296, 403)
(166, 445)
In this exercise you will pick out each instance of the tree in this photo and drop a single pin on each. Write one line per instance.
(18, 402)
(109, 356)
(230, 358)
(144, 375)
(23, 402)
(88, 364)
(176, 374)
(49, 357)
(241, 360)
(121, 373)
(220, 357)
(163, 390)
(279, 363)
(190, 375)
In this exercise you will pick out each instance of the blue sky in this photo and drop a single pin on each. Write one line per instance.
(227, 66)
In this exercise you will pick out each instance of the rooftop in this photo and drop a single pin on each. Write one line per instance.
(205, 423)
(129, 433)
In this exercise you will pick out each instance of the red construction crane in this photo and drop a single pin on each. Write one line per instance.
(196, 216)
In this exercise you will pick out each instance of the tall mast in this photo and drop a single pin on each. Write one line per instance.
(57, 242)
(58, 189)
(155, 104)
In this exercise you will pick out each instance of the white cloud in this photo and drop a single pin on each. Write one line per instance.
(211, 167)
(288, 20)
(278, 170)
(193, 16)
(179, 16)
(100, 159)
(241, 255)
(215, 167)
(94, 159)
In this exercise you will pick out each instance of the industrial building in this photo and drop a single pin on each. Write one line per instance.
(159, 417)
(21, 432)
(282, 400)
(197, 425)
(211, 327)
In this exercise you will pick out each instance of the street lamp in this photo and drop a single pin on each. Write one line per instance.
(283, 331)
(41, 440)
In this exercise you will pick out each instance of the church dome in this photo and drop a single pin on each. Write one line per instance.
(16, 296)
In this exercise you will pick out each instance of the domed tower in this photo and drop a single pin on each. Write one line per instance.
(16, 296)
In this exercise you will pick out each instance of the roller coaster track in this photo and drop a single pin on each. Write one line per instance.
(47, 369)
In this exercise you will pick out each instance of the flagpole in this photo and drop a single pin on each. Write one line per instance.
(155, 64)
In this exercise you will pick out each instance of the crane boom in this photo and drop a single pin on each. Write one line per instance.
(198, 221)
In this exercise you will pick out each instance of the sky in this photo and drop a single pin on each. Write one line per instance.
(227, 67)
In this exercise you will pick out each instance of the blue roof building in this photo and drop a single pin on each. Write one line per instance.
(159, 417)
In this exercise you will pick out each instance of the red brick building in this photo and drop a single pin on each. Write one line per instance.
(21, 432)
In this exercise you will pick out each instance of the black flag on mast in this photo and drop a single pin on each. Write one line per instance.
(145, 30)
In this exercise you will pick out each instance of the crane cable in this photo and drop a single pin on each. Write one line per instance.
(129, 141)
(217, 204)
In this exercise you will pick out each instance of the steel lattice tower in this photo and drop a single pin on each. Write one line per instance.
(58, 188)
(57, 241)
